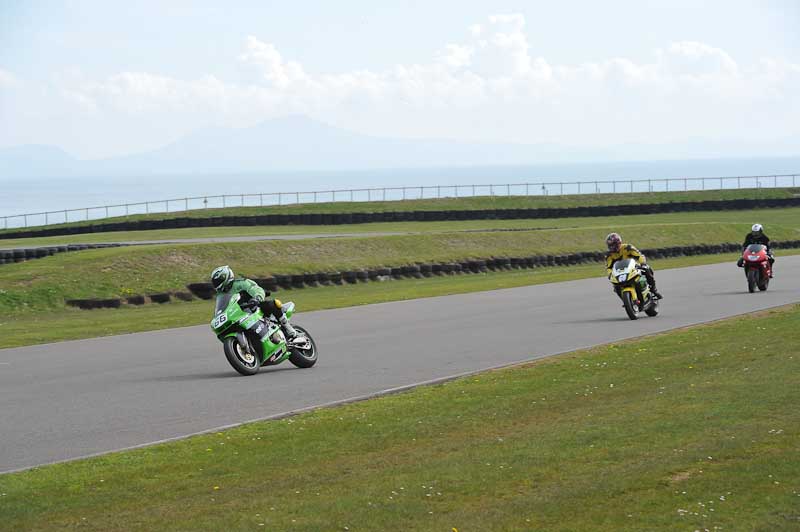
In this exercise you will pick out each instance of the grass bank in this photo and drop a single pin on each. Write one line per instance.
(45, 284)
(473, 203)
(789, 217)
(694, 429)
(31, 328)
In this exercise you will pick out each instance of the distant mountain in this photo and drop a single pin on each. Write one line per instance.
(36, 160)
(298, 143)
(292, 143)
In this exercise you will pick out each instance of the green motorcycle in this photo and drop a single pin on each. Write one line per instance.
(251, 340)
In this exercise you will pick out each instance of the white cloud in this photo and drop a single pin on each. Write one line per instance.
(491, 85)
(9, 80)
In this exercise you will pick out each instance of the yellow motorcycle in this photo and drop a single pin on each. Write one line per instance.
(631, 286)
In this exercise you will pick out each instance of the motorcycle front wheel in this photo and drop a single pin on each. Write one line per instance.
(240, 357)
(630, 308)
(752, 279)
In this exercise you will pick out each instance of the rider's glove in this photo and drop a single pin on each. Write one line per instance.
(251, 305)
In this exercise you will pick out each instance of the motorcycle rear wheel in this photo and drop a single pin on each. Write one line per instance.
(630, 309)
(239, 357)
(304, 358)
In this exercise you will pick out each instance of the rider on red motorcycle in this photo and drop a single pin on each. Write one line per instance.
(757, 236)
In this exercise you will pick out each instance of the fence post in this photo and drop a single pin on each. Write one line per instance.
(384, 194)
(87, 214)
(66, 217)
(351, 195)
(404, 193)
(508, 189)
(106, 212)
(438, 191)
(421, 193)
(185, 204)
(223, 201)
(26, 220)
(46, 219)
(738, 183)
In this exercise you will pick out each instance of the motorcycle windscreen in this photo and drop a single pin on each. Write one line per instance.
(223, 300)
(756, 248)
(622, 265)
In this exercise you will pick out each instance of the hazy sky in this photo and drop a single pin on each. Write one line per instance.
(103, 78)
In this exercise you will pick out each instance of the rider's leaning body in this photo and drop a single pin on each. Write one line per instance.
(617, 250)
(224, 281)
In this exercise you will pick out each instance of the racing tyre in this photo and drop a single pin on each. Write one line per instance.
(752, 279)
(304, 358)
(627, 300)
(240, 357)
(652, 310)
(764, 284)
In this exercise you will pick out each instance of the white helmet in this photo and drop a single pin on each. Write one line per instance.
(756, 228)
(222, 278)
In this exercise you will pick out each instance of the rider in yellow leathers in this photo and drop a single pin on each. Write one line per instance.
(617, 250)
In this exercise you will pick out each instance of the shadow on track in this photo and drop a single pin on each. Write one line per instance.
(601, 320)
(214, 376)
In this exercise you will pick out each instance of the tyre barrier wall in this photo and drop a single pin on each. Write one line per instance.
(408, 216)
(417, 271)
(8, 256)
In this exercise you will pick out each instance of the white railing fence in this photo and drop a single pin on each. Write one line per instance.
(557, 188)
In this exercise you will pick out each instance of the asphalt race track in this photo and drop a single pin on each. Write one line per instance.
(72, 399)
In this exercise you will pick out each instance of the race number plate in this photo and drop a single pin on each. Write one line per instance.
(217, 322)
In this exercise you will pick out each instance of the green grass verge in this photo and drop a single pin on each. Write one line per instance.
(692, 430)
(476, 203)
(773, 217)
(31, 328)
(45, 284)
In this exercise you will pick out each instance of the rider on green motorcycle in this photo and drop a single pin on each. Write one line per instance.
(617, 251)
(223, 281)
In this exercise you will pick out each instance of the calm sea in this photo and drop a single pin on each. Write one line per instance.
(38, 195)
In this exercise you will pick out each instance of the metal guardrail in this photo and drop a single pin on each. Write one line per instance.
(558, 188)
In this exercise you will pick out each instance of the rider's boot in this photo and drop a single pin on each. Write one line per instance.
(655, 292)
(288, 330)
